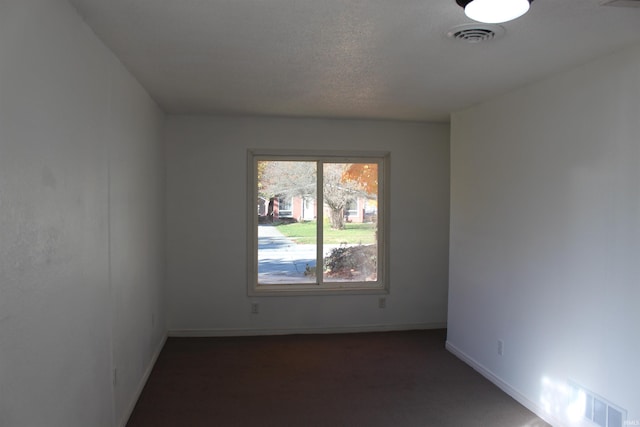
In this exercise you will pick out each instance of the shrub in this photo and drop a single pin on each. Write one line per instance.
(352, 263)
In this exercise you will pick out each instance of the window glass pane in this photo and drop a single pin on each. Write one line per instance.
(349, 247)
(285, 207)
(287, 231)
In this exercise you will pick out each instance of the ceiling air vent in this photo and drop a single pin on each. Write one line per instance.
(621, 3)
(475, 33)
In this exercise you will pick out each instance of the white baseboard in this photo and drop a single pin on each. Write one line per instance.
(142, 383)
(508, 389)
(223, 332)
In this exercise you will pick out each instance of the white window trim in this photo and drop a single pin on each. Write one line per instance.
(381, 286)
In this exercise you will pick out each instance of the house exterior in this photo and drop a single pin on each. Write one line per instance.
(304, 209)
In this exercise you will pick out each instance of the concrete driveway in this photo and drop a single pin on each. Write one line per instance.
(280, 260)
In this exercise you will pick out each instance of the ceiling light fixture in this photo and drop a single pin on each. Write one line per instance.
(494, 11)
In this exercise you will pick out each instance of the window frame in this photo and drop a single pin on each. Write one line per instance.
(381, 285)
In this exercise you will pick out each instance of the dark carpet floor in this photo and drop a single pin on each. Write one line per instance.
(367, 379)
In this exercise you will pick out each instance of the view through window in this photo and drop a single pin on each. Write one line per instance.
(317, 222)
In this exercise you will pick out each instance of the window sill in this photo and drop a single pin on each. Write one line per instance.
(315, 290)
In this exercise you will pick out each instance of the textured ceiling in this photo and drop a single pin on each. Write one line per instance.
(375, 59)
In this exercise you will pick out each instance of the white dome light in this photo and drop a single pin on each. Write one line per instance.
(496, 11)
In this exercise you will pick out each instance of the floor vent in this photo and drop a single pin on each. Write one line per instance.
(600, 411)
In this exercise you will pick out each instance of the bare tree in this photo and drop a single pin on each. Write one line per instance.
(338, 193)
(287, 179)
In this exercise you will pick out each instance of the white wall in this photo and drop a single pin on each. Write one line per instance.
(545, 234)
(207, 237)
(81, 241)
(137, 230)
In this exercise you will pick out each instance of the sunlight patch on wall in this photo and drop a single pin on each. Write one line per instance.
(563, 401)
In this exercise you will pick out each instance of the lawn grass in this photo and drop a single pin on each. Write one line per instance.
(354, 233)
